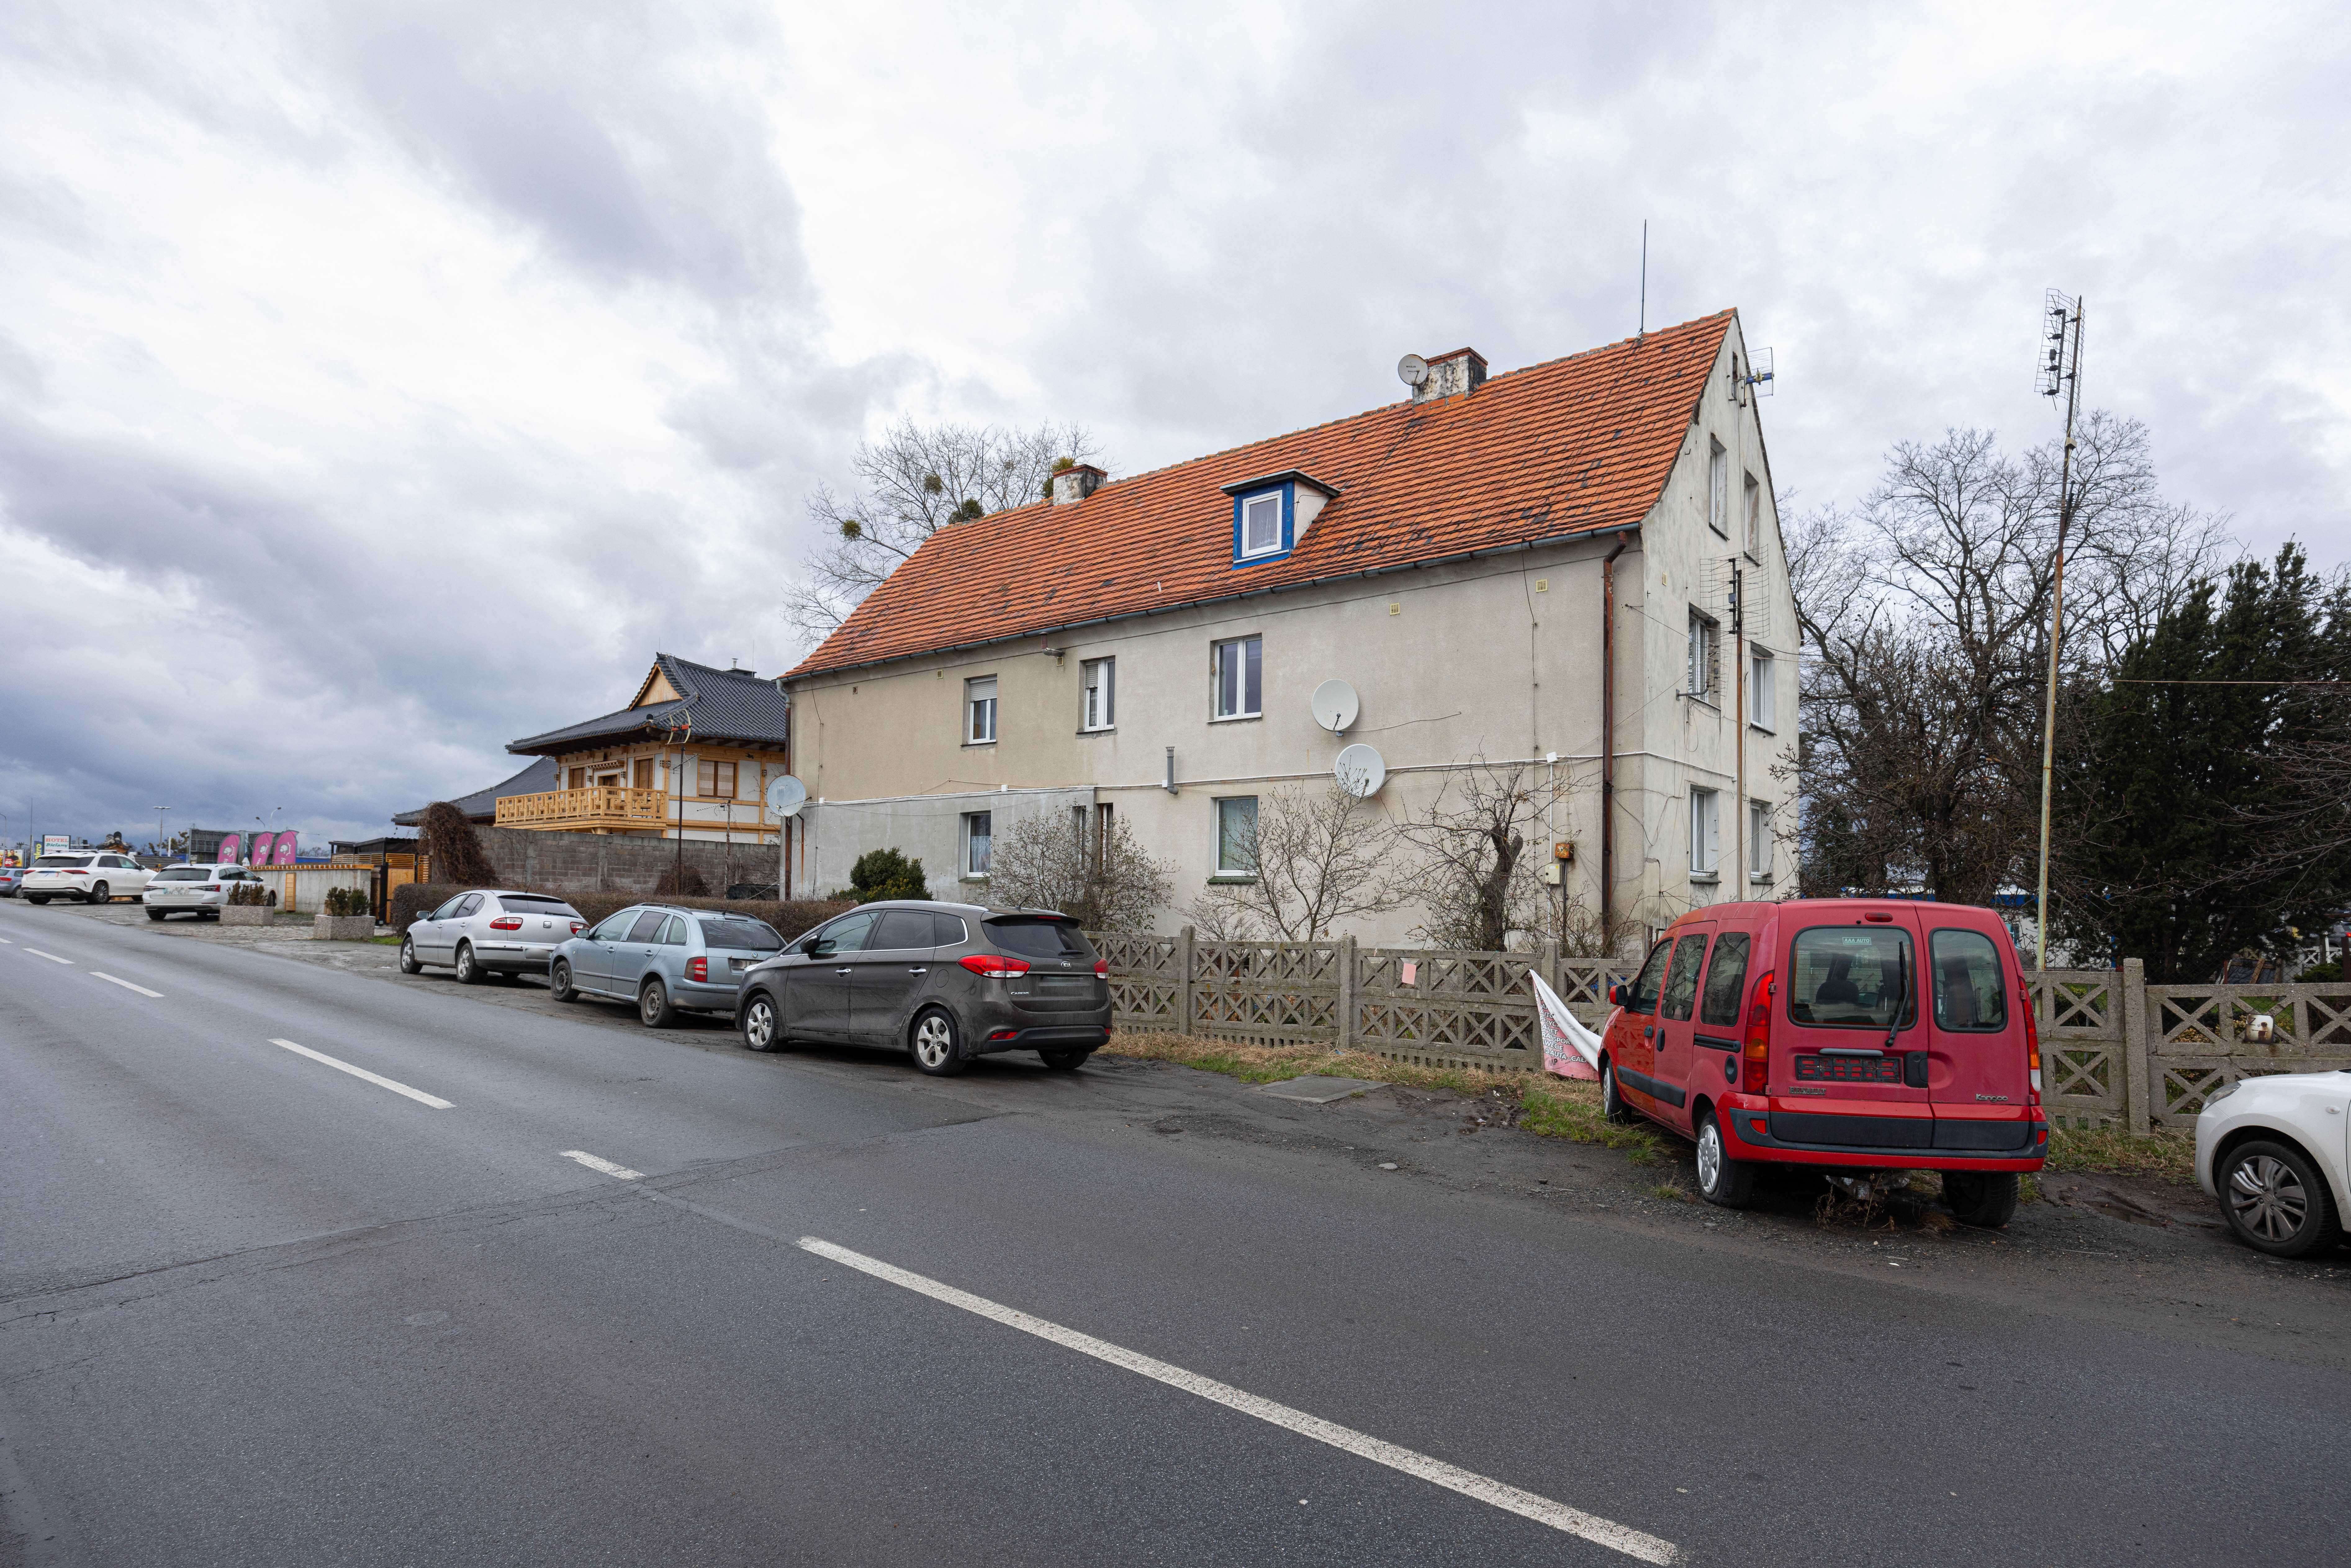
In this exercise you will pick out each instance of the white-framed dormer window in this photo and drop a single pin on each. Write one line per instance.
(1705, 656)
(1261, 524)
(1717, 487)
(1759, 841)
(979, 711)
(1706, 830)
(1751, 516)
(1098, 694)
(1239, 677)
(979, 838)
(1762, 689)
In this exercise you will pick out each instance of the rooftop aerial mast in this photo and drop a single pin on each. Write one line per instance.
(2060, 376)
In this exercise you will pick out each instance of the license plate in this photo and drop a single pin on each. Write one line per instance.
(1850, 1068)
(1062, 983)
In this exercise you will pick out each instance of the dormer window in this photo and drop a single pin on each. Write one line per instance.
(1271, 514)
(1261, 524)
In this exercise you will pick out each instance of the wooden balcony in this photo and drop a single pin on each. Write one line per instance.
(600, 809)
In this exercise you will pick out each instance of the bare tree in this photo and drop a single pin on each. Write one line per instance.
(446, 838)
(1319, 857)
(1107, 881)
(914, 482)
(1478, 883)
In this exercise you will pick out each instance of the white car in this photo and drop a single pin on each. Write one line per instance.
(93, 876)
(2275, 1151)
(201, 889)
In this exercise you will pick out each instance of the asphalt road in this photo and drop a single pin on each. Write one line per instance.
(256, 1309)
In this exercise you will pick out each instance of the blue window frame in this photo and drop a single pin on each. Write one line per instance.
(1262, 524)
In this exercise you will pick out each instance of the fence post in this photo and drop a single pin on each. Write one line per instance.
(1346, 993)
(1547, 965)
(2138, 1071)
(1185, 1011)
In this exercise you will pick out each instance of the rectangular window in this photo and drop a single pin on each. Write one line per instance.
(1261, 524)
(1847, 977)
(979, 711)
(645, 773)
(1681, 980)
(1098, 694)
(716, 780)
(1237, 836)
(1706, 830)
(1969, 994)
(1759, 840)
(1717, 487)
(1762, 689)
(1726, 981)
(1754, 518)
(1240, 668)
(1704, 652)
(978, 833)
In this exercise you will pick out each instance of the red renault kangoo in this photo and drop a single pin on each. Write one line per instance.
(1811, 1033)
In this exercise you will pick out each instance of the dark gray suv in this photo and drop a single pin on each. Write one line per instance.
(946, 982)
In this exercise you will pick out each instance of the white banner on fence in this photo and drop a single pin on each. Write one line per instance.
(1570, 1049)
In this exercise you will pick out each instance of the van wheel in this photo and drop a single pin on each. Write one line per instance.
(559, 982)
(1611, 1104)
(1980, 1197)
(2276, 1200)
(1721, 1179)
(468, 972)
(653, 1009)
(759, 1024)
(938, 1051)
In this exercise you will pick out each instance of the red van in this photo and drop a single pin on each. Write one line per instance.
(1810, 1033)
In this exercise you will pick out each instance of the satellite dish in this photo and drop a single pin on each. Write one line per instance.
(1334, 706)
(1360, 771)
(1412, 371)
(786, 795)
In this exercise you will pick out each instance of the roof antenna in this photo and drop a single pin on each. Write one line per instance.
(1643, 330)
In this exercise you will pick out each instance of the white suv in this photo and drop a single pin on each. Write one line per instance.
(201, 889)
(94, 877)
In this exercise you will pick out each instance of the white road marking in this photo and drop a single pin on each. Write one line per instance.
(124, 984)
(607, 1166)
(1526, 1504)
(52, 957)
(418, 1095)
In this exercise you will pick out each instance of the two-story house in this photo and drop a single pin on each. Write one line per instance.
(1530, 570)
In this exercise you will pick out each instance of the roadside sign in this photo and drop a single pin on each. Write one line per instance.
(55, 843)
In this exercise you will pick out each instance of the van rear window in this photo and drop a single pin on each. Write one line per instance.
(1851, 977)
(1969, 993)
(1039, 938)
(62, 861)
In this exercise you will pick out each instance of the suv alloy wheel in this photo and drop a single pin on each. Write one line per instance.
(759, 1029)
(938, 1051)
(100, 894)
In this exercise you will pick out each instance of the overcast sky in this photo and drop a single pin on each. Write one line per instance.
(379, 384)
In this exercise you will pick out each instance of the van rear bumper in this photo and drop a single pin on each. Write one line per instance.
(1884, 1143)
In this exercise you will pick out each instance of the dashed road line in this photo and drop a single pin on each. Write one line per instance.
(52, 957)
(607, 1166)
(418, 1095)
(126, 985)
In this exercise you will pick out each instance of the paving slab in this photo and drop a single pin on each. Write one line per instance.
(1318, 1090)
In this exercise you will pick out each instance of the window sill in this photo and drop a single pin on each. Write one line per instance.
(1704, 878)
(1702, 701)
(1105, 729)
(1759, 878)
(977, 745)
(1761, 728)
(972, 876)
(1237, 718)
(1231, 879)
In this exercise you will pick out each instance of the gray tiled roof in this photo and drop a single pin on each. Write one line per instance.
(483, 803)
(713, 705)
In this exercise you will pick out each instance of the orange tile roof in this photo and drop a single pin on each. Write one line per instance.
(1572, 445)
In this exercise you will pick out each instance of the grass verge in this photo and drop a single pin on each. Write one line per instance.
(2112, 1151)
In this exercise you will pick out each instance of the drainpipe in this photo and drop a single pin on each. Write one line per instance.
(1608, 742)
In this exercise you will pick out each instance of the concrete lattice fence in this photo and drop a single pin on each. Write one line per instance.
(2115, 1051)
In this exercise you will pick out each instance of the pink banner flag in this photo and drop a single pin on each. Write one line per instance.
(285, 848)
(232, 849)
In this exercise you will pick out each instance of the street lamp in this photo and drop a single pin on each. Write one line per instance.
(162, 839)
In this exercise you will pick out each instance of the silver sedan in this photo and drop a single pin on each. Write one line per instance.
(490, 932)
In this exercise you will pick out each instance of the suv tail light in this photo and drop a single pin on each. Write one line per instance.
(507, 922)
(990, 966)
(698, 969)
(1755, 1049)
(1102, 969)
(2032, 1050)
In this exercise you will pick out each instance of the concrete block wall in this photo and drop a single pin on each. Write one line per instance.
(605, 862)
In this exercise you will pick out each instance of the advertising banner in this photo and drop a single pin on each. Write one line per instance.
(232, 850)
(55, 843)
(285, 855)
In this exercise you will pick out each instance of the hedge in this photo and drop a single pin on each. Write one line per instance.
(789, 918)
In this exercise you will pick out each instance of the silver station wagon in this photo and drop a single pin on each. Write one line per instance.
(666, 959)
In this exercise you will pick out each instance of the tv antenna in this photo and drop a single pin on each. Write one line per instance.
(1759, 372)
(2059, 375)
(1643, 330)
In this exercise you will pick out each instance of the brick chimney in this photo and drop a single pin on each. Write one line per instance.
(1076, 483)
(1463, 369)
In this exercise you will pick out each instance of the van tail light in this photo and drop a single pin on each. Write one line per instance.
(1755, 1049)
(990, 966)
(698, 970)
(507, 922)
(1102, 969)
(2032, 1051)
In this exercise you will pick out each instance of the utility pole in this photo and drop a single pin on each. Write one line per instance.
(2061, 371)
(163, 840)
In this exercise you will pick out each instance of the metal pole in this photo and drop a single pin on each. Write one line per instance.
(2056, 629)
(1739, 729)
